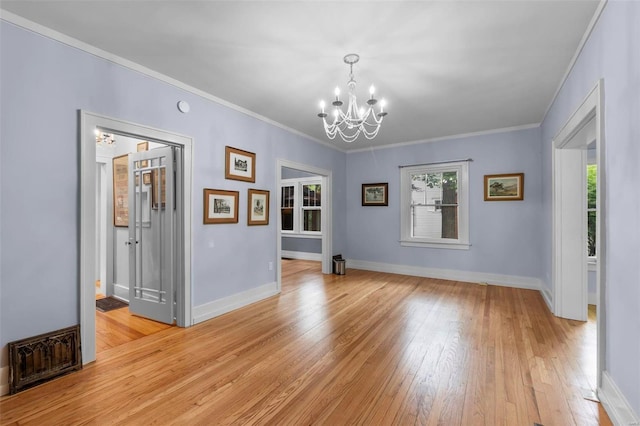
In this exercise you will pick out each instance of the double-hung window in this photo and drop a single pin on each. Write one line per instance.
(301, 206)
(435, 205)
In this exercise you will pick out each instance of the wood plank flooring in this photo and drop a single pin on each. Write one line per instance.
(118, 326)
(363, 348)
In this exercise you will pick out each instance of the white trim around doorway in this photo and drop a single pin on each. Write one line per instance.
(88, 123)
(586, 124)
(326, 221)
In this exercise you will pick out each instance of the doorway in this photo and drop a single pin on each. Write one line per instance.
(178, 148)
(584, 130)
(326, 220)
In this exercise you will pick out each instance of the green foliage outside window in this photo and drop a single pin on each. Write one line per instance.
(592, 173)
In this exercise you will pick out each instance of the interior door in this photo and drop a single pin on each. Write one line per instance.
(152, 234)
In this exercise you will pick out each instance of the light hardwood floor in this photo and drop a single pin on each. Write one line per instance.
(363, 348)
(117, 327)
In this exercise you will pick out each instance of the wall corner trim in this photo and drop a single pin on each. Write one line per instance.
(235, 301)
(615, 403)
(529, 283)
(548, 297)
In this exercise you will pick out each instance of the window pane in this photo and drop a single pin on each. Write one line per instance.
(591, 233)
(287, 196)
(434, 197)
(429, 222)
(311, 220)
(449, 205)
(287, 219)
(311, 195)
(592, 173)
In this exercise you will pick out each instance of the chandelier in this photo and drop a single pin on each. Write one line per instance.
(350, 124)
(104, 139)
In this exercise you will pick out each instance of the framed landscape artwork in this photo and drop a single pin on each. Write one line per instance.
(258, 207)
(239, 165)
(504, 187)
(220, 206)
(375, 194)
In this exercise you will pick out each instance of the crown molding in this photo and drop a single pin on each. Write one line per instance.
(118, 60)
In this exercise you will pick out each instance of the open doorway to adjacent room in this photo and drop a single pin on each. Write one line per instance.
(304, 215)
(135, 234)
(579, 242)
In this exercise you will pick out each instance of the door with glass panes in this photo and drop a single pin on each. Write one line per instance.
(152, 234)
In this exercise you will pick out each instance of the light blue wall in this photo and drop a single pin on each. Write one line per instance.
(505, 236)
(613, 54)
(305, 245)
(44, 84)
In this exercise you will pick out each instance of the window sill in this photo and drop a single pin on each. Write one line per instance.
(443, 245)
(313, 236)
(592, 264)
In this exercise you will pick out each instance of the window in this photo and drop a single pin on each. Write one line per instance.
(434, 211)
(592, 176)
(301, 207)
(286, 209)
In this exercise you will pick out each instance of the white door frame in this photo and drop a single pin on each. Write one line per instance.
(88, 123)
(326, 221)
(569, 158)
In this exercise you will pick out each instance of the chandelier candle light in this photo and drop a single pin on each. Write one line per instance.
(356, 120)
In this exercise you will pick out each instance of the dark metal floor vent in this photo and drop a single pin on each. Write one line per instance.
(37, 359)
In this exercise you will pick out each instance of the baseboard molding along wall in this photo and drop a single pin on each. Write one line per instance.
(301, 255)
(529, 283)
(4, 380)
(227, 304)
(615, 403)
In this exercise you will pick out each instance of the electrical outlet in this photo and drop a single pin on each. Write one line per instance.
(271, 266)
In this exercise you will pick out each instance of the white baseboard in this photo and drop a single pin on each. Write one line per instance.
(548, 298)
(592, 298)
(121, 292)
(301, 255)
(4, 380)
(227, 304)
(615, 403)
(449, 274)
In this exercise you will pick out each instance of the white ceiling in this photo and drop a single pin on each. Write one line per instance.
(444, 67)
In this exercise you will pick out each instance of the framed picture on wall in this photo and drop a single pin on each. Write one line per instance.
(141, 147)
(258, 207)
(121, 191)
(375, 194)
(504, 187)
(220, 206)
(239, 165)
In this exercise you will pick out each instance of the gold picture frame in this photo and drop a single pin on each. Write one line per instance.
(220, 206)
(239, 164)
(504, 187)
(258, 207)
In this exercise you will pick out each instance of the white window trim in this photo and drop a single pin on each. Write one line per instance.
(298, 231)
(462, 243)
